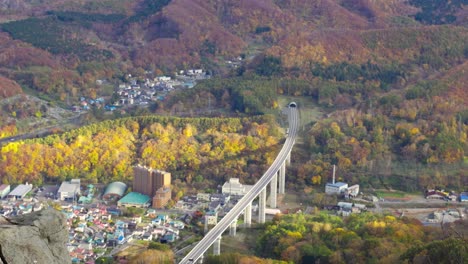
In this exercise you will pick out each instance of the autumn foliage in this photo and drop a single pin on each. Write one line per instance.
(323, 238)
(214, 148)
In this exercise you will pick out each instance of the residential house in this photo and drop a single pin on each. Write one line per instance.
(4, 190)
(214, 206)
(222, 198)
(203, 197)
(159, 231)
(211, 218)
(464, 197)
(436, 194)
(148, 236)
(168, 238)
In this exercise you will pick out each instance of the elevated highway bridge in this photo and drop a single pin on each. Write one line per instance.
(275, 176)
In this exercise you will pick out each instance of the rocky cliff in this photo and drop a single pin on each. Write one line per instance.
(38, 237)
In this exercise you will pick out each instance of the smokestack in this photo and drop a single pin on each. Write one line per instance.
(333, 182)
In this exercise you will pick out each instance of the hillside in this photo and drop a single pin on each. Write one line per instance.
(380, 85)
(390, 73)
(8, 88)
(106, 38)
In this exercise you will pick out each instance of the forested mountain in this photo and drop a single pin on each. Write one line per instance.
(389, 77)
(392, 73)
(75, 43)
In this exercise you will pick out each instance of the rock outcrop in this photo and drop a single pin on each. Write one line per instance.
(38, 237)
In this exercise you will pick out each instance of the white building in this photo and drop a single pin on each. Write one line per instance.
(211, 219)
(336, 188)
(163, 78)
(203, 197)
(272, 211)
(69, 190)
(234, 187)
(20, 191)
(352, 191)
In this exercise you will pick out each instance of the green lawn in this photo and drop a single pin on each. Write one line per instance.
(390, 194)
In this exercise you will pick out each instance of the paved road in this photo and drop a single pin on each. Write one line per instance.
(218, 230)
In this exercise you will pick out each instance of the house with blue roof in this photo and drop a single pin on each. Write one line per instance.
(168, 238)
(162, 218)
(464, 197)
(121, 225)
(177, 224)
(156, 222)
(121, 238)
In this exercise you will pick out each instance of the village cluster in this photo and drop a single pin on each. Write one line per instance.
(102, 220)
(139, 92)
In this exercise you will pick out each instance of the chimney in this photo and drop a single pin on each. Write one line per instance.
(333, 182)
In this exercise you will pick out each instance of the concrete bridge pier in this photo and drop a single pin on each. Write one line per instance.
(288, 159)
(273, 190)
(261, 206)
(216, 246)
(233, 228)
(206, 224)
(248, 215)
(282, 178)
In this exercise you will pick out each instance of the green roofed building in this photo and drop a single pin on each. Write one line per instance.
(114, 191)
(135, 199)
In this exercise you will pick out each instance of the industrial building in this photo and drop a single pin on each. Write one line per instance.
(69, 190)
(4, 190)
(341, 188)
(335, 188)
(20, 191)
(234, 187)
(114, 191)
(352, 191)
(147, 180)
(135, 199)
(162, 197)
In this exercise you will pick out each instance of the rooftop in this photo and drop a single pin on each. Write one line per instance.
(135, 198)
(117, 188)
(69, 187)
(3, 187)
(337, 184)
(21, 190)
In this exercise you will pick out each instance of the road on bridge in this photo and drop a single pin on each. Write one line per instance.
(219, 229)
